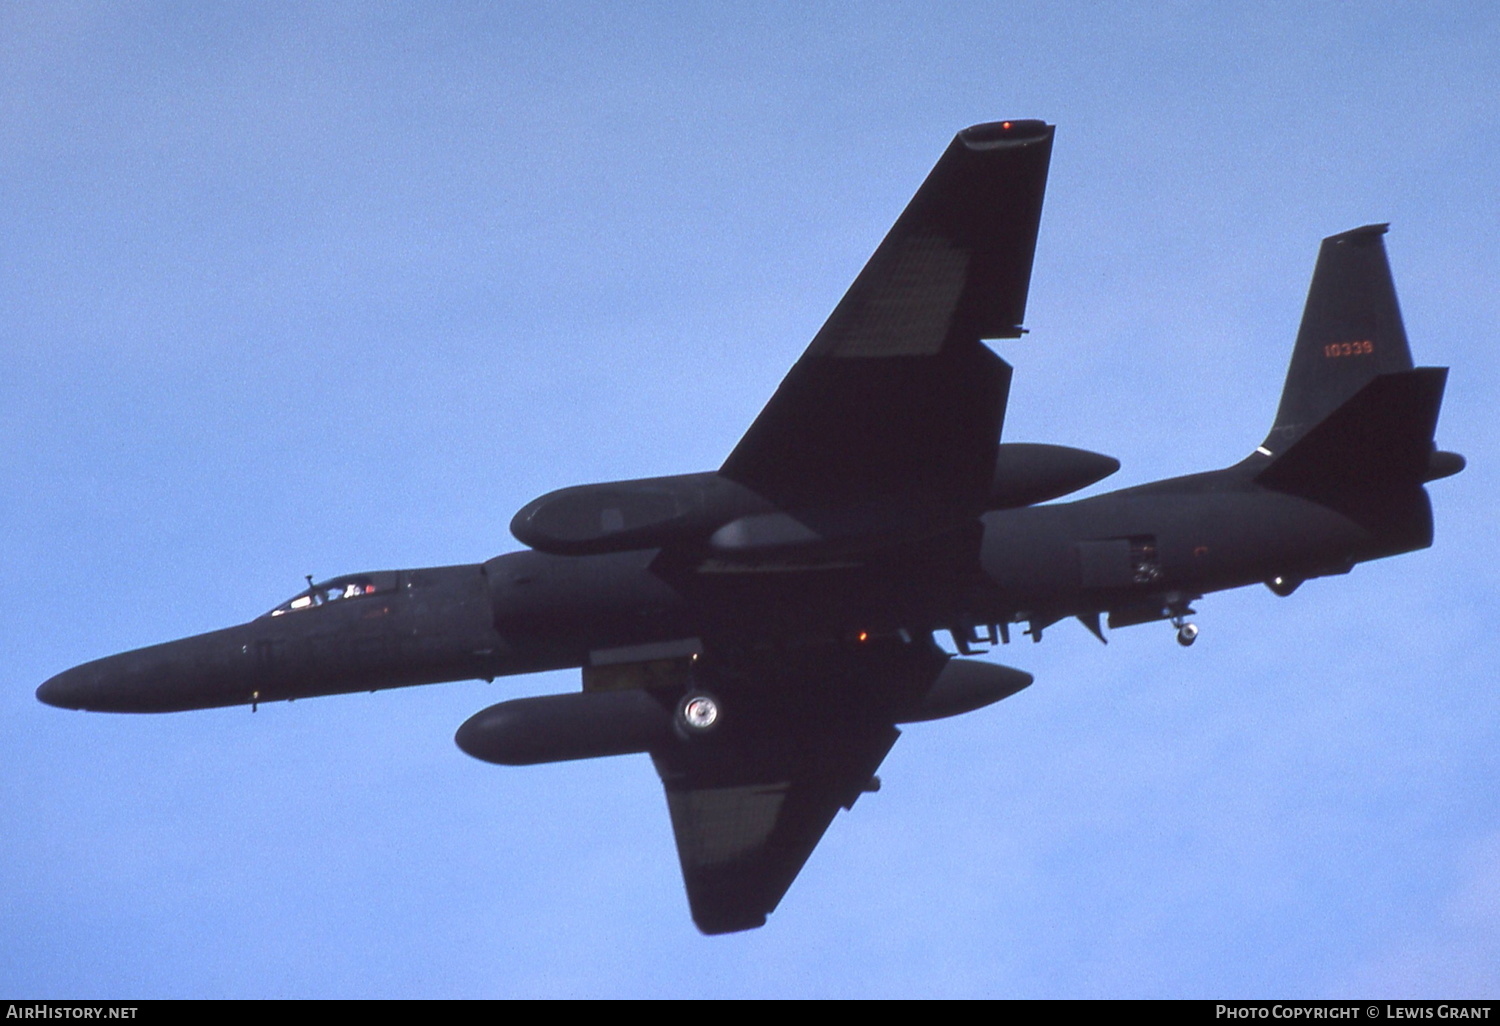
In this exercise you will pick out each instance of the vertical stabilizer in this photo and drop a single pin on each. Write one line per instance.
(1351, 331)
(1355, 426)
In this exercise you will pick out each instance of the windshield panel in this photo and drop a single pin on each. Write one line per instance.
(339, 589)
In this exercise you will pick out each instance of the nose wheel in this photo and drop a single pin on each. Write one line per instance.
(1187, 633)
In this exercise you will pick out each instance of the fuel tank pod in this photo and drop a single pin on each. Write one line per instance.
(595, 724)
(558, 728)
(621, 516)
(1028, 473)
(963, 686)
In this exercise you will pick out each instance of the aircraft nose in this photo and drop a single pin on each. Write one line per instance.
(200, 672)
(188, 674)
(71, 689)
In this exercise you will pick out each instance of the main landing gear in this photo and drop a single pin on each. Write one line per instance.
(698, 713)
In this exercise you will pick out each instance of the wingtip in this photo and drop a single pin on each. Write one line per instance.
(713, 926)
(1362, 234)
(992, 134)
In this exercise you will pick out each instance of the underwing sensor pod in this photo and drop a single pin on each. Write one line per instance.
(591, 724)
(715, 512)
(761, 630)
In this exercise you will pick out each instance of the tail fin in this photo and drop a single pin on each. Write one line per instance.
(1354, 429)
(1351, 331)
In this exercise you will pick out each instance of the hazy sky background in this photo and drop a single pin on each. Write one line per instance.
(319, 288)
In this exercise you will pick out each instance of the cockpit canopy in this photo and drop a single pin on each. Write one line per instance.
(339, 589)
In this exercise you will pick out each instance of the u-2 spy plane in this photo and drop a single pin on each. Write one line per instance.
(762, 630)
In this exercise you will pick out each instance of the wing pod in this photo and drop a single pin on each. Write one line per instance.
(557, 728)
(966, 685)
(713, 512)
(1441, 464)
(1027, 473)
(622, 516)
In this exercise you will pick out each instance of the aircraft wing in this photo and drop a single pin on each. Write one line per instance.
(802, 737)
(746, 822)
(896, 396)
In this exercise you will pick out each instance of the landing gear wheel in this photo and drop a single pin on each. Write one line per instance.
(697, 714)
(1284, 586)
(1187, 634)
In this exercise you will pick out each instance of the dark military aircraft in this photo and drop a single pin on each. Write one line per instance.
(761, 630)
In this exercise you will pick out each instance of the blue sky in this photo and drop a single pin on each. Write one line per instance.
(324, 288)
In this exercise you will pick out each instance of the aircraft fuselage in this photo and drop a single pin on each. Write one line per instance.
(1147, 550)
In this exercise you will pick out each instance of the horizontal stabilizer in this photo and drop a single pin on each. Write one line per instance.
(1380, 438)
(1369, 458)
